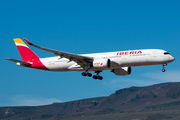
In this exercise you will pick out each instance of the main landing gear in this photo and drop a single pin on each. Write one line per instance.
(97, 76)
(86, 74)
(164, 65)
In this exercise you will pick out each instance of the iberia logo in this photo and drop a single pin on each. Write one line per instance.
(98, 63)
(129, 52)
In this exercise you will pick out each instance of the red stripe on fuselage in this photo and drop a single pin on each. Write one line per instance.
(39, 65)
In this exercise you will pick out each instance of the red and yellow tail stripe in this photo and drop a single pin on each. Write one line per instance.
(28, 55)
(19, 42)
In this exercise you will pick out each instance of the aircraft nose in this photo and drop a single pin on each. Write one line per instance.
(172, 58)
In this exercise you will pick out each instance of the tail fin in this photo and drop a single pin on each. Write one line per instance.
(26, 53)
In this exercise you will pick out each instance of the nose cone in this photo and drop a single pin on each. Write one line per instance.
(172, 58)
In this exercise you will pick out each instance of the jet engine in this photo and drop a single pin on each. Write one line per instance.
(122, 71)
(101, 63)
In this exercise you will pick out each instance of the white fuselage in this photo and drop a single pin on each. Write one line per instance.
(119, 62)
(118, 59)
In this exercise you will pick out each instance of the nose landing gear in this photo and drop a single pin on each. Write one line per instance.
(164, 65)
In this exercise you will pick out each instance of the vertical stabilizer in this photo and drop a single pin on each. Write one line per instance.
(26, 53)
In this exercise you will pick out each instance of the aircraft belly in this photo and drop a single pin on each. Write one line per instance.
(52, 66)
(57, 66)
(157, 60)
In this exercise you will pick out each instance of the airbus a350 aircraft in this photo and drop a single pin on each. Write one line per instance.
(119, 62)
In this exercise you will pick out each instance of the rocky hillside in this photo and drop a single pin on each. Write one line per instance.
(164, 96)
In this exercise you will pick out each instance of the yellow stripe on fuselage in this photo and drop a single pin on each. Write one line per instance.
(18, 40)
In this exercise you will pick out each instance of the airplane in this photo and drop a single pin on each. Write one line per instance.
(119, 62)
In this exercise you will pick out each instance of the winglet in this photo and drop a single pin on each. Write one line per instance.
(28, 41)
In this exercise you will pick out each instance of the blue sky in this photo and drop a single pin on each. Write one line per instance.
(84, 27)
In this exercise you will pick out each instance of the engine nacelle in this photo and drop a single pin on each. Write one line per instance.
(122, 71)
(101, 63)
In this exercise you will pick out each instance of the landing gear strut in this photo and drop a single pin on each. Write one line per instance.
(97, 76)
(164, 65)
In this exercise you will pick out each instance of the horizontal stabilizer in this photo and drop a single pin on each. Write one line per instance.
(19, 62)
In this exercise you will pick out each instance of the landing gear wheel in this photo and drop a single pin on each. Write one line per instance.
(163, 70)
(164, 65)
(89, 74)
(86, 74)
(83, 74)
(100, 77)
(95, 77)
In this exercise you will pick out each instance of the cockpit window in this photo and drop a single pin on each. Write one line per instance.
(166, 53)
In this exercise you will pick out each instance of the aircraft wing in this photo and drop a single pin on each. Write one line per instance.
(18, 61)
(71, 57)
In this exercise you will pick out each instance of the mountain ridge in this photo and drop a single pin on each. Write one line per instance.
(156, 97)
